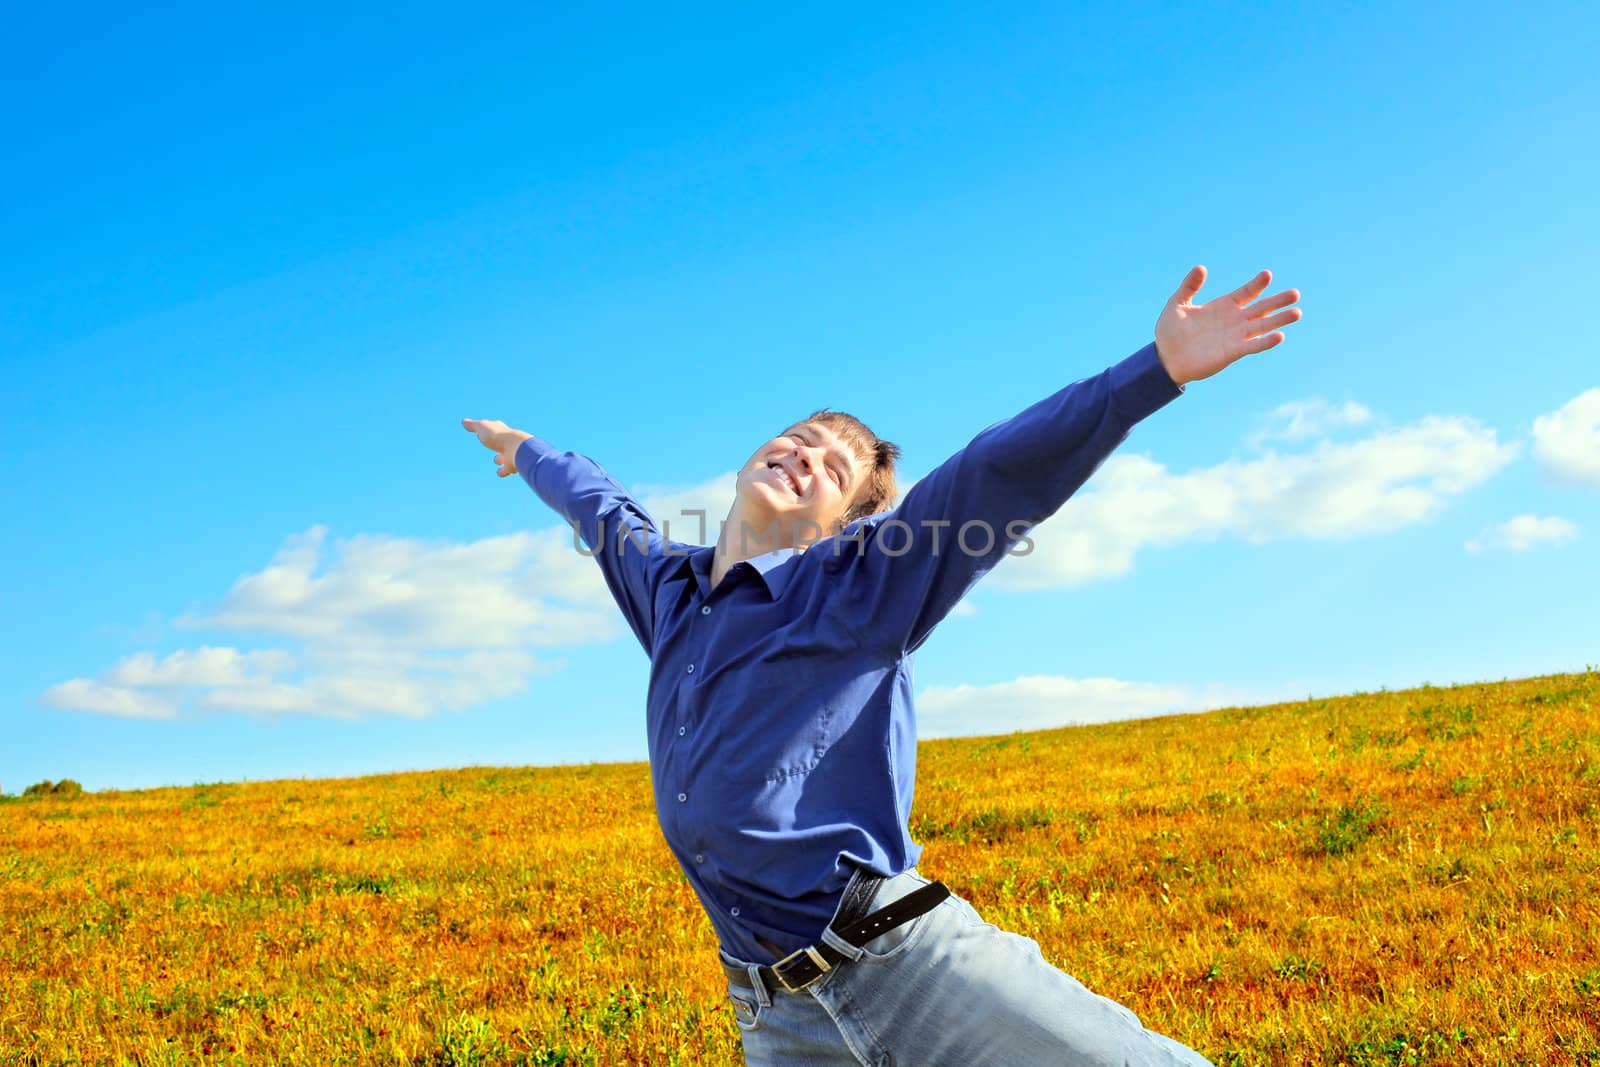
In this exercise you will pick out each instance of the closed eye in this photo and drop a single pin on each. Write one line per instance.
(833, 471)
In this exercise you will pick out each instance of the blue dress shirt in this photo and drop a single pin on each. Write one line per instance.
(782, 735)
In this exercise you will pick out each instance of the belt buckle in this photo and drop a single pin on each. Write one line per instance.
(816, 957)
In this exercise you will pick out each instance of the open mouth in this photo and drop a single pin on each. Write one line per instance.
(788, 477)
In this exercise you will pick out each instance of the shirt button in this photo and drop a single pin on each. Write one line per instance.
(682, 730)
(736, 911)
(705, 610)
(699, 857)
(682, 797)
(691, 668)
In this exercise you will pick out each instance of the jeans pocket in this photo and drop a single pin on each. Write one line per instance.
(892, 944)
(747, 1010)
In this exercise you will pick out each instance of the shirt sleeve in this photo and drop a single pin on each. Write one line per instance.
(908, 567)
(614, 527)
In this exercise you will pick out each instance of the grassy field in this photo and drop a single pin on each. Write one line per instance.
(1382, 878)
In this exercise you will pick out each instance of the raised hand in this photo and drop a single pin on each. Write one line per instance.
(500, 439)
(1195, 341)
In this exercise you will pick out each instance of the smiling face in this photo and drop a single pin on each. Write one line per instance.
(803, 480)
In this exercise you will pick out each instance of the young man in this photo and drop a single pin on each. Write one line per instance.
(779, 710)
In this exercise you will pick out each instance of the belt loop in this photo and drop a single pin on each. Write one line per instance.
(763, 997)
(851, 952)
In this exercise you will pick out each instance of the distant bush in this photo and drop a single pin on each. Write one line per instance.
(64, 788)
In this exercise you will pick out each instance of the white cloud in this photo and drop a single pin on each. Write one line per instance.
(498, 592)
(269, 698)
(389, 625)
(1567, 441)
(1525, 532)
(1301, 419)
(83, 694)
(1383, 482)
(204, 666)
(383, 625)
(354, 682)
(1041, 702)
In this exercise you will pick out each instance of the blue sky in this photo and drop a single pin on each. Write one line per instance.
(259, 266)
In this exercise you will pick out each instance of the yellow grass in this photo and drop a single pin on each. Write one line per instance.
(1391, 877)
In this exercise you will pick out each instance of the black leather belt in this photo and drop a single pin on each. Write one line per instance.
(800, 968)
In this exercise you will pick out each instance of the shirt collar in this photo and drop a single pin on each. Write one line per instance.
(772, 566)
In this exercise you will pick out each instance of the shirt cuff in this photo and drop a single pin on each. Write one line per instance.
(1141, 385)
(529, 452)
(527, 457)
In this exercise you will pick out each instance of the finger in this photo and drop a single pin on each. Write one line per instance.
(1268, 304)
(1282, 318)
(1250, 289)
(1262, 343)
(1190, 285)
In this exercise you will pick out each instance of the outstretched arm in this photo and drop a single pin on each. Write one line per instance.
(614, 527)
(907, 568)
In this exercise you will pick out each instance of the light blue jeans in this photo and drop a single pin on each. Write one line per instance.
(946, 988)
